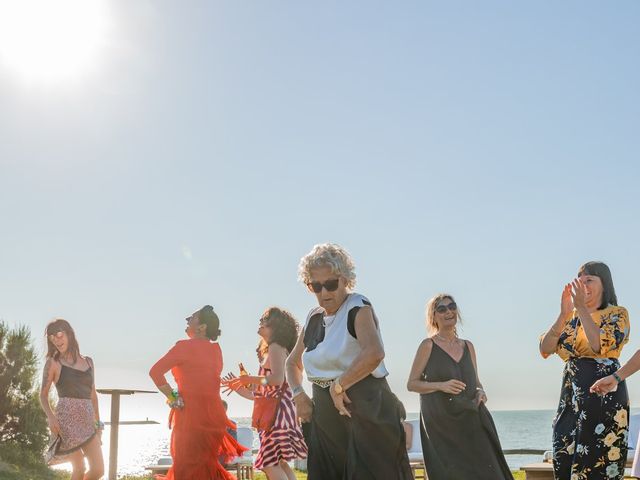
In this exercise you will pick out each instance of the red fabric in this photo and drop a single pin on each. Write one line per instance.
(199, 430)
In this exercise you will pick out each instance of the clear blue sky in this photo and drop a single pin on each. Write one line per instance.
(483, 149)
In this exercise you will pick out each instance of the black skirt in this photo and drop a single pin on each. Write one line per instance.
(368, 446)
(590, 431)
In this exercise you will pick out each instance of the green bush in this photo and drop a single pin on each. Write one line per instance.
(23, 426)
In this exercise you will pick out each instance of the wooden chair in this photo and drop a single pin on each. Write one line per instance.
(243, 466)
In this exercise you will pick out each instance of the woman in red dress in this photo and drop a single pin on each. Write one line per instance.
(197, 419)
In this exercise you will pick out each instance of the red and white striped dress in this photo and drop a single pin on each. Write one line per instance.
(284, 441)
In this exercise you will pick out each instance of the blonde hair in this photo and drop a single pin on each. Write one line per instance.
(328, 255)
(432, 326)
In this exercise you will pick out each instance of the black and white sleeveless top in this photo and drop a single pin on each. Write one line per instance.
(330, 341)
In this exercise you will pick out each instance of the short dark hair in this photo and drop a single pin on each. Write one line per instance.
(206, 316)
(601, 270)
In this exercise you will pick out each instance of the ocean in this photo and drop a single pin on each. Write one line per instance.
(141, 445)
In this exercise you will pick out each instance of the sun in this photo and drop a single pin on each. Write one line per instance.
(48, 41)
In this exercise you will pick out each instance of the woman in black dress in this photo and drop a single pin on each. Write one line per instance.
(459, 438)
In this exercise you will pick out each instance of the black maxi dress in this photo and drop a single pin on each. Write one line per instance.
(459, 439)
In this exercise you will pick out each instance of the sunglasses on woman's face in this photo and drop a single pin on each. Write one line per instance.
(58, 335)
(329, 285)
(452, 307)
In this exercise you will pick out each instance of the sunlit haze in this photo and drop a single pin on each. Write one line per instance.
(45, 41)
(485, 149)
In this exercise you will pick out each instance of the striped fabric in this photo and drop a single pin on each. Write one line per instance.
(284, 441)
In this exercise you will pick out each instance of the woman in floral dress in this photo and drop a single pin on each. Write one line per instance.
(590, 430)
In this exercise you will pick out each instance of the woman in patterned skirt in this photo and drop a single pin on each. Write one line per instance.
(75, 424)
(590, 431)
(283, 442)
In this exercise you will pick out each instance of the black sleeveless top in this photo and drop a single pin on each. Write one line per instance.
(74, 383)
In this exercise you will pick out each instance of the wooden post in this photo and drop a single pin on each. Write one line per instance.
(113, 441)
(115, 423)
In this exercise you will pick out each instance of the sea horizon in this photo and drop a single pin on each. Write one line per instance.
(142, 445)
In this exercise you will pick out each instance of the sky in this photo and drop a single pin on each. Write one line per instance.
(198, 150)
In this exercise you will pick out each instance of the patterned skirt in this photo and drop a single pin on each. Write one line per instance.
(590, 431)
(285, 440)
(77, 426)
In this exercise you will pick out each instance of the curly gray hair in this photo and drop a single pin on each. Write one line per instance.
(328, 255)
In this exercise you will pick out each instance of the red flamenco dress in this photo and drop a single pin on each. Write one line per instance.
(199, 430)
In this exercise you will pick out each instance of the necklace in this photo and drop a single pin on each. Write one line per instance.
(327, 320)
(451, 342)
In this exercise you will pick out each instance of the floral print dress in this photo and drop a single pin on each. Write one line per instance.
(590, 431)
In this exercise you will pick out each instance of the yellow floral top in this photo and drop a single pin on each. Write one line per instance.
(614, 334)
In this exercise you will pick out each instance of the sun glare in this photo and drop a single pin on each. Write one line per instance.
(52, 40)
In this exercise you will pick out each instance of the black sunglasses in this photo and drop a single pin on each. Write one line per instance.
(329, 285)
(443, 308)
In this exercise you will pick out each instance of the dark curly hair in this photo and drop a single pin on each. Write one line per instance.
(284, 330)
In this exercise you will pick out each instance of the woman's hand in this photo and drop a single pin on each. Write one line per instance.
(604, 385)
(453, 386)
(340, 401)
(481, 396)
(234, 383)
(54, 426)
(566, 302)
(304, 407)
(224, 381)
(578, 294)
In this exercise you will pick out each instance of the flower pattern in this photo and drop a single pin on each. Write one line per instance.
(590, 432)
(614, 334)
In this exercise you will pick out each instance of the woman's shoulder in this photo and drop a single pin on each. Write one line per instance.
(313, 312)
(358, 300)
(616, 312)
(427, 344)
(52, 364)
(619, 309)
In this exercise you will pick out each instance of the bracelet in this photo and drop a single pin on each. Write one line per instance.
(617, 377)
(297, 390)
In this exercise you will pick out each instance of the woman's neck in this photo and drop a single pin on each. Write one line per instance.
(66, 357)
(448, 334)
(333, 312)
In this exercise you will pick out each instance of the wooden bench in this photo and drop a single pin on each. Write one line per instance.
(544, 470)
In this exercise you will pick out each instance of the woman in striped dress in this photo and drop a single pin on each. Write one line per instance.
(283, 442)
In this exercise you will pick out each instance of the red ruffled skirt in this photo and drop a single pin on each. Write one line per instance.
(199, 438)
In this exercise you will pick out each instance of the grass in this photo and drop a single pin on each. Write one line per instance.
(518, 475)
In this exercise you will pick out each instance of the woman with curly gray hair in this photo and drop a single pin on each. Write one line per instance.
(355, 426)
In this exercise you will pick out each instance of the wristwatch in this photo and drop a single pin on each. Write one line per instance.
(337, 388)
